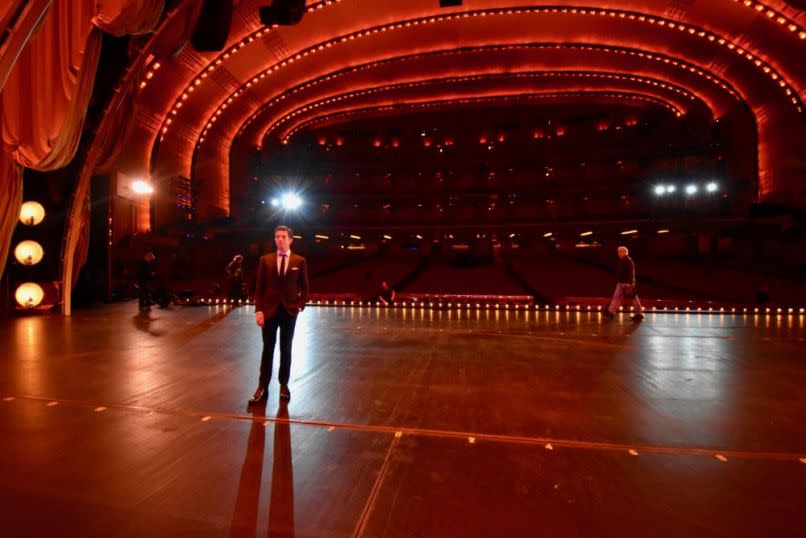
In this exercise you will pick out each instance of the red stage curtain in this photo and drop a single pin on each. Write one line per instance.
(10, 202)
(44, 101)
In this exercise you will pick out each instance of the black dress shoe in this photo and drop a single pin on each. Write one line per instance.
(261, 395)
(285, 394)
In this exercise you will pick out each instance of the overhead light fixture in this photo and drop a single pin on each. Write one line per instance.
(629, 232)
(140, 186)
(663, 231)
(670, 188)
(548, 234)
(356, 237)
(586, 234)
(660, 190)
(712, 186)
(691, 189)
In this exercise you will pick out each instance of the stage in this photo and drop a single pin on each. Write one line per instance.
(403, 422)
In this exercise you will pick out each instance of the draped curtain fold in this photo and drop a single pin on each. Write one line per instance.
(10, 202)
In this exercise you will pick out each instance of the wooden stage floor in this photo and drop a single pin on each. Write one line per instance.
(403, 423)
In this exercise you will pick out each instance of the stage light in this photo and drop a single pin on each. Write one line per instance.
(670, 188)
(548, 234)
(663, 231)
(691, 189)
(629, 232)
(275, 202)
(29, 295)
(32, 213)
(140, 186)
(291, 201)
(711, 187)
(586, 234)
(29, 253)
(660, 190)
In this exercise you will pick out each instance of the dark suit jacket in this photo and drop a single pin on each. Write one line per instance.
(290, 290)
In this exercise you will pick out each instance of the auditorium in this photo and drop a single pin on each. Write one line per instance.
(402, 268)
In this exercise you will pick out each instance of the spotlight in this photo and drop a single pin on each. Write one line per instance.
(142, 187)
(291, 201)
(275, 202)
(670, 189)
(711, 187)
(660, 190)
(691, 189)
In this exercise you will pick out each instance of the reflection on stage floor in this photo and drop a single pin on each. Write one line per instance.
(403, 422)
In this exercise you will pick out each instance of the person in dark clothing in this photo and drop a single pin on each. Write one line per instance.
(625, 287)
(281, 292)
(386, 295)
(235, 273)
(145, 276)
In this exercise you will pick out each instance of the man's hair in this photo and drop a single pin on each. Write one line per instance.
(284, 228)
(626, 250)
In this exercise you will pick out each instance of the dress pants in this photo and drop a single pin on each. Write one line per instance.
(285, 322)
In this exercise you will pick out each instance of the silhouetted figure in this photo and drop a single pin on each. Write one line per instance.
(145, 277)
(763, 294)
(235, 274)
(625, 287)
(281, 292)
(386, 295)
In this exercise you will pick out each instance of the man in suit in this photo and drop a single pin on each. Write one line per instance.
(280, 295)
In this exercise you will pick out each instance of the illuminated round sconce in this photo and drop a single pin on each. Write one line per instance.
(29, 253)
(32, 213)
(29, 295)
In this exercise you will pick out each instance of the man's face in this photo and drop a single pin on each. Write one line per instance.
(622, 253)
(282, 240)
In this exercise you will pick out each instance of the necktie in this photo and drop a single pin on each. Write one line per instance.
(282, 265)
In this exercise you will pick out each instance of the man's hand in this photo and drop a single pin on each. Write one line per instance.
(259, 318)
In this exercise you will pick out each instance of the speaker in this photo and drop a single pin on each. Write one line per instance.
(212, 28)
(282, 12)
(450, 3)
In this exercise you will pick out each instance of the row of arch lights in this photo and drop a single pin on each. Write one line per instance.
(371, 65)
(414, 304)
(29, 253)
(420, 106)
(774, 75)
(358, 93)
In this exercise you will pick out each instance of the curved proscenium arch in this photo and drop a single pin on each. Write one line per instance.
(714, 92)
(371, 97)
(566, 96)
(708, 39)
(683, 99)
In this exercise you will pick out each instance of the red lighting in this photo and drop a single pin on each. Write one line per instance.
(322, 141)
(427, 142)
(538, 134)
(376, 143)
(560, 131)
(483, 139)
(395, 143)
(339, 141)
